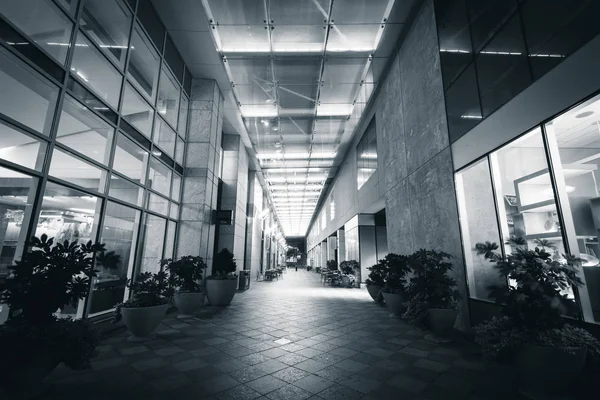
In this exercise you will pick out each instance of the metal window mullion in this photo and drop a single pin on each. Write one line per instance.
(497, 210)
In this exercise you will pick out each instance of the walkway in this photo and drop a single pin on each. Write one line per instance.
(285, 340)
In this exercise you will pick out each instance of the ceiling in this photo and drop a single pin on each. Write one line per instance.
(296, 75)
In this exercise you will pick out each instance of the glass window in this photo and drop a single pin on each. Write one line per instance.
(176, 192)
(137, 111)
(74, 170)
(478, 224)
(158, 204)
(91, 67)
(183, 116)
(108, 22)
(151, 21)
(33, 98)
(164, 136)
(174, 213)
(144, 63)
(43, 22)
(21, 148)
(575, 136)
(168, 97)
(124, 190)
(152, 243)
(366, 154)
(159, 177)
(487, 17)
(84, 131)
(119, 235)
(70, 6)
(179, 150)
(130, 159)
(17, 196)
(170, 240)
(462, 104)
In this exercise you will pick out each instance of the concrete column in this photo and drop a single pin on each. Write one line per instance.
(253, 225)
(341, 235)
(361, 242)
(323, 247)
(200, 180)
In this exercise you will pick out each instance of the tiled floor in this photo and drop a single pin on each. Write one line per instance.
(288, 339)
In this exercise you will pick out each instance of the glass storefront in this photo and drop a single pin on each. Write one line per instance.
(542, 187)
(70, 166)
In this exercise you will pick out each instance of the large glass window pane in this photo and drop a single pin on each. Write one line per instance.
(125, 190)
(32, 99)
(70, 6)
(119, 235)
(90, 66)
(159, 177)
(74, 170)
(176, 192)
(183, 116)
(130, 159)
(170, 240)
(174, 213)
(16, 202)
(108, 22)
(152, 243)
(168, 97)
(84, 131)
(478, 224)
(158, 204)
(487, 17)
(366, 155)
(21, 148)
(43, 22)
(144, 63)
(462, 104)
(137, 111)
(179, 150)
(164, 136)
(151, 21)
(576, 137)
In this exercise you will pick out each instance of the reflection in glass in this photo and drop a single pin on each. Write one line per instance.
(176, 192)
(91, 67)
(152, 243)
(462, 104)
(108, 22)
(136, 110)
(33, 99)
(43, 22)
(182, 123)
(144, 63)
(74, 170)
(168, 97)
(124, 190)
(84, 131)
(170, 240)
(119, 235)
(159, 177)
(487, 17)
(174, 213)
(179, 151)
(366, 154)
(130, 159)
(164, 136)
(69, 5)
(158, 204)
(21, 148)
(16, 202)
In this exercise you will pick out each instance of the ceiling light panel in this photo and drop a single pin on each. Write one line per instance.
(361, 11)
(299, 12)
(246, 12)
(247, 70)
(244, 39)
(298, 38)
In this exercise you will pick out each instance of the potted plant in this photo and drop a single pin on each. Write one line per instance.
(396, 267)
(186, 275)
(548, 352)
(349, 269)
(147, 306)
(222, 284)
(33, 341)
(332, 265)
(375, 281)
(432, 298)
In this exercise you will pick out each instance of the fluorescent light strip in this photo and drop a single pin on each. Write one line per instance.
(296, 187)
(296, 156)
(297, 179)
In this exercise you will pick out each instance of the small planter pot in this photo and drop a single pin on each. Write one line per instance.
(220, 292)
(142, 321)
(188, 302)
(441, 320)
(395, 303)
(548, 369)
(375, 292)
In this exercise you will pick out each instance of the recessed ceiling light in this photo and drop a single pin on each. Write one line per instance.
(584, 114)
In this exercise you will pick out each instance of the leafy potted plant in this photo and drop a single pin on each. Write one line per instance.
(375, 281)
(147, 306)
(396, 267)
(33, 341)
(432, 298)
(186, 275)
(548, 352)
(349, 269)
(222, 284)
(332, 265)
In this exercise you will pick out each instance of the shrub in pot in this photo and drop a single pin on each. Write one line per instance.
(332, 265)
(222, 284)
(432, 298)
(33, 341)
(375, 281)
(532, 333)
(185, 277)
(396, 268)
(349, 272)
(147, 306)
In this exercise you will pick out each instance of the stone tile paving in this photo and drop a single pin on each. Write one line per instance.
(338, 345)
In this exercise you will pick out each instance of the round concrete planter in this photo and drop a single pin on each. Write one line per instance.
(395, 303)
(188, 302)
(375, 292)
(441, 320)
(142, 321)
(220, 292)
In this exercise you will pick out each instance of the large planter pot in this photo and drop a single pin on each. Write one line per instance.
(441, 320)
(395, 303)
(142, 321)
(375, 292)
(220, 292)
(188, 303)
(548, 369)
(23, 380)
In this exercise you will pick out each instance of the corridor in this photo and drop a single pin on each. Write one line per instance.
(284, 340)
